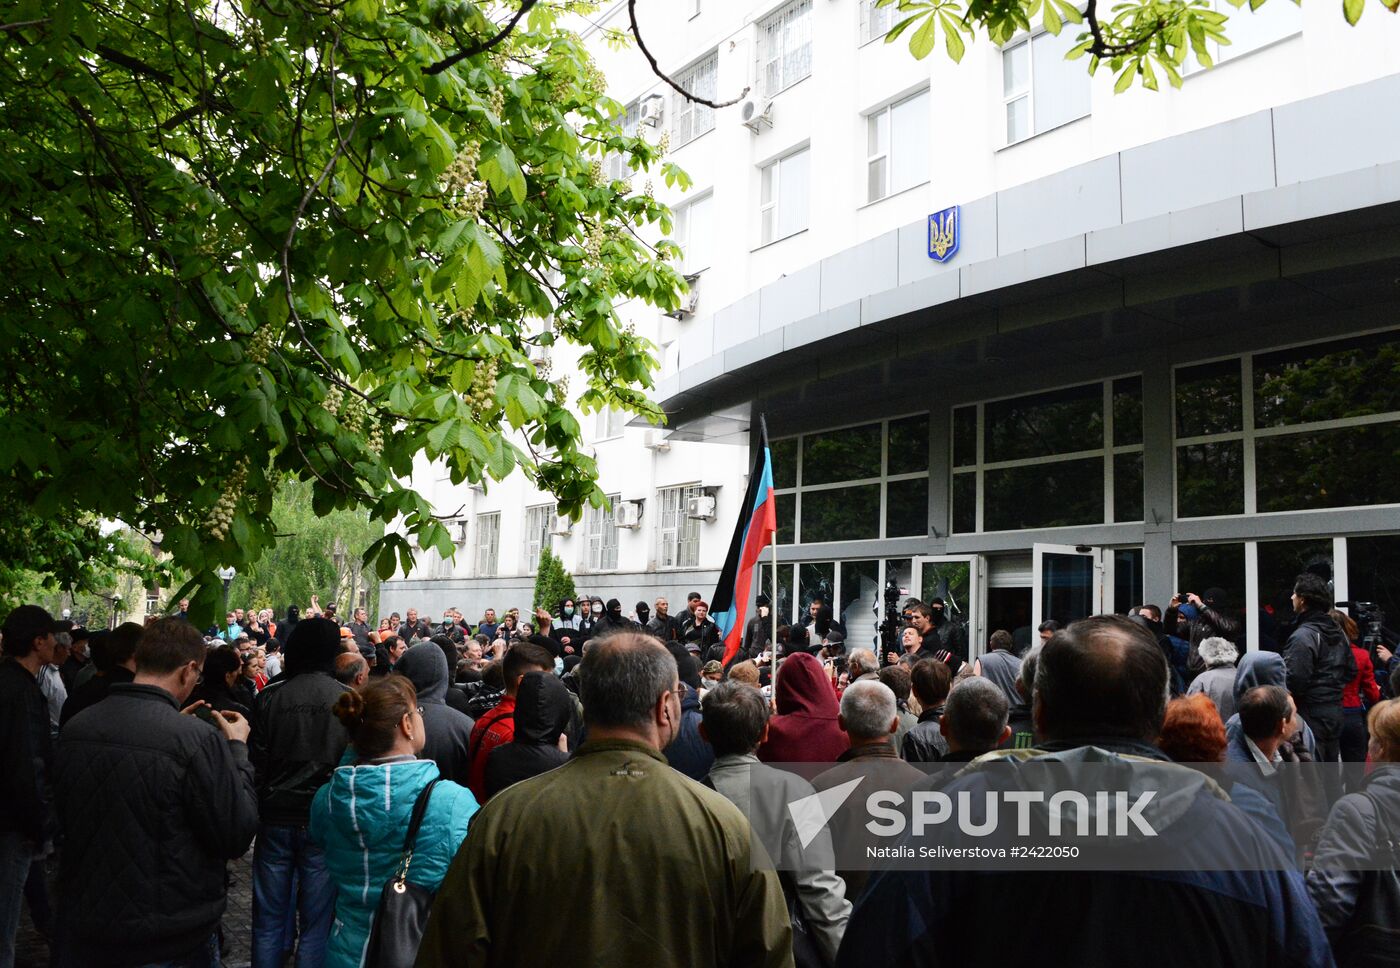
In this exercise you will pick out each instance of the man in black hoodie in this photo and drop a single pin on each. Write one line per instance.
(614, 621)
(296, 743)
(543, 708)
(1320, 664)
(448, 731)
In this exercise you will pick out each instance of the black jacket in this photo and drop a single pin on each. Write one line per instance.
(93, 692)
(1207, 623)
(666, 628)
(704, 634)
(448, 732)
(1320, 664)
(296, 743)
(543, 708)
(153, 803)
(221, 698)
(924, 743)
(26, 754)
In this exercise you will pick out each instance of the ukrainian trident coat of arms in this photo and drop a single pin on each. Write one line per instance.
(943, 235)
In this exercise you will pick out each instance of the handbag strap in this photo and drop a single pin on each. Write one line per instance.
(420, 807)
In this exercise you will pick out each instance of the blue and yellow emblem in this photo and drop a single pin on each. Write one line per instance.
(943, 234)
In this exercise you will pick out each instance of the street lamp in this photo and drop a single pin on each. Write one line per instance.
(116, 608)
(227, 575)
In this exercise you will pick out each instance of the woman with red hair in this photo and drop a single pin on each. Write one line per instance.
(1193, 734)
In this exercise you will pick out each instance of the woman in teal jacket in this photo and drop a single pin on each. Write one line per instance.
(361, 816)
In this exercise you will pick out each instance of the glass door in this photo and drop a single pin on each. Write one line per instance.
(957, 581)
(1067, 583)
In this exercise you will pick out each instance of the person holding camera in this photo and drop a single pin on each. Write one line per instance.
(1318, 658)
(1204, 617)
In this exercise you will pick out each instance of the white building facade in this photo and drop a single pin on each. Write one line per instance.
(1114, 251)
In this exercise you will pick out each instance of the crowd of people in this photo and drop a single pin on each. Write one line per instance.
(577, 784)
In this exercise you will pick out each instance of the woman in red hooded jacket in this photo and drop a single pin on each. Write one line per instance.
(1362, 687)
(805, 729)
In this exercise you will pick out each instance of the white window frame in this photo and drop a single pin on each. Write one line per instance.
(882, 477)
(702, 79)
(684, 226)
(1250, 435)
(1108, 451)
(1028, 93)
(767, 235)
(616, 166)
(539, 518)
(781, 23)
(488, 544)
(875, 21)
(888, 150)
(600, 527)
(677, 536)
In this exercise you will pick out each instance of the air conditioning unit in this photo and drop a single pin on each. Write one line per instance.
(479, 487)
(459, 536)
(701, 507)
(756, 112)
(690, 299)
(629, 514)
(563, 526)
(653, 106)
(655, 441)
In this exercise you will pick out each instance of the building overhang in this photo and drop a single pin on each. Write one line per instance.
(1261, 223)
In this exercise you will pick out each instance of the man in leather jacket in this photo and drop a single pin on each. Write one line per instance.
(1206, 617)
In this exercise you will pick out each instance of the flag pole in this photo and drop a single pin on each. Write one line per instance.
(773, 604)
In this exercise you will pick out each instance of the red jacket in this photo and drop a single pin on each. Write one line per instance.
(805, 729)
(1365, 679)
(495, 728)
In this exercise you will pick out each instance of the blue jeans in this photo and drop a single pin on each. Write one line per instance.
(16, 856)
(289, 875)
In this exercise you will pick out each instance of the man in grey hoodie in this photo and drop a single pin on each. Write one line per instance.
(735, 723)
(448, 731)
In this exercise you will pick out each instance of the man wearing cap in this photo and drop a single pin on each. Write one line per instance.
(26, 758)
(758, 631)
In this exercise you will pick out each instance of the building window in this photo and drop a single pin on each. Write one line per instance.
(694, 233)
(690, 120)
(1300, 429)
(1040, 89)
(876, 21)
(616, 165)
(853, 483)
(897, 147)
(783, 191)
(785, 47)
(538, 520)
(488, 542)
(1248, 30)
(607, 424)
(601, 528)
(678, 537)
(1065, 458)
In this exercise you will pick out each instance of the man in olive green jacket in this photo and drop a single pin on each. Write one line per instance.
(614, 858)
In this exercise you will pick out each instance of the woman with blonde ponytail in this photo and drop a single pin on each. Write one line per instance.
(360, 817)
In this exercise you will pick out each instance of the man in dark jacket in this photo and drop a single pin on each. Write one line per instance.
(663, 624)
(1205, 617)
(613, 621)
(689, 752)
(1100, 697)
(543, 708)
(448, 732)
(1320, 664)
(77, 657)
(114, 657)
(296, 743)
(26, 756)
(924, 743)
(153, 805)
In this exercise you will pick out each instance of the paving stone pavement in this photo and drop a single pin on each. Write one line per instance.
(33, 950)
